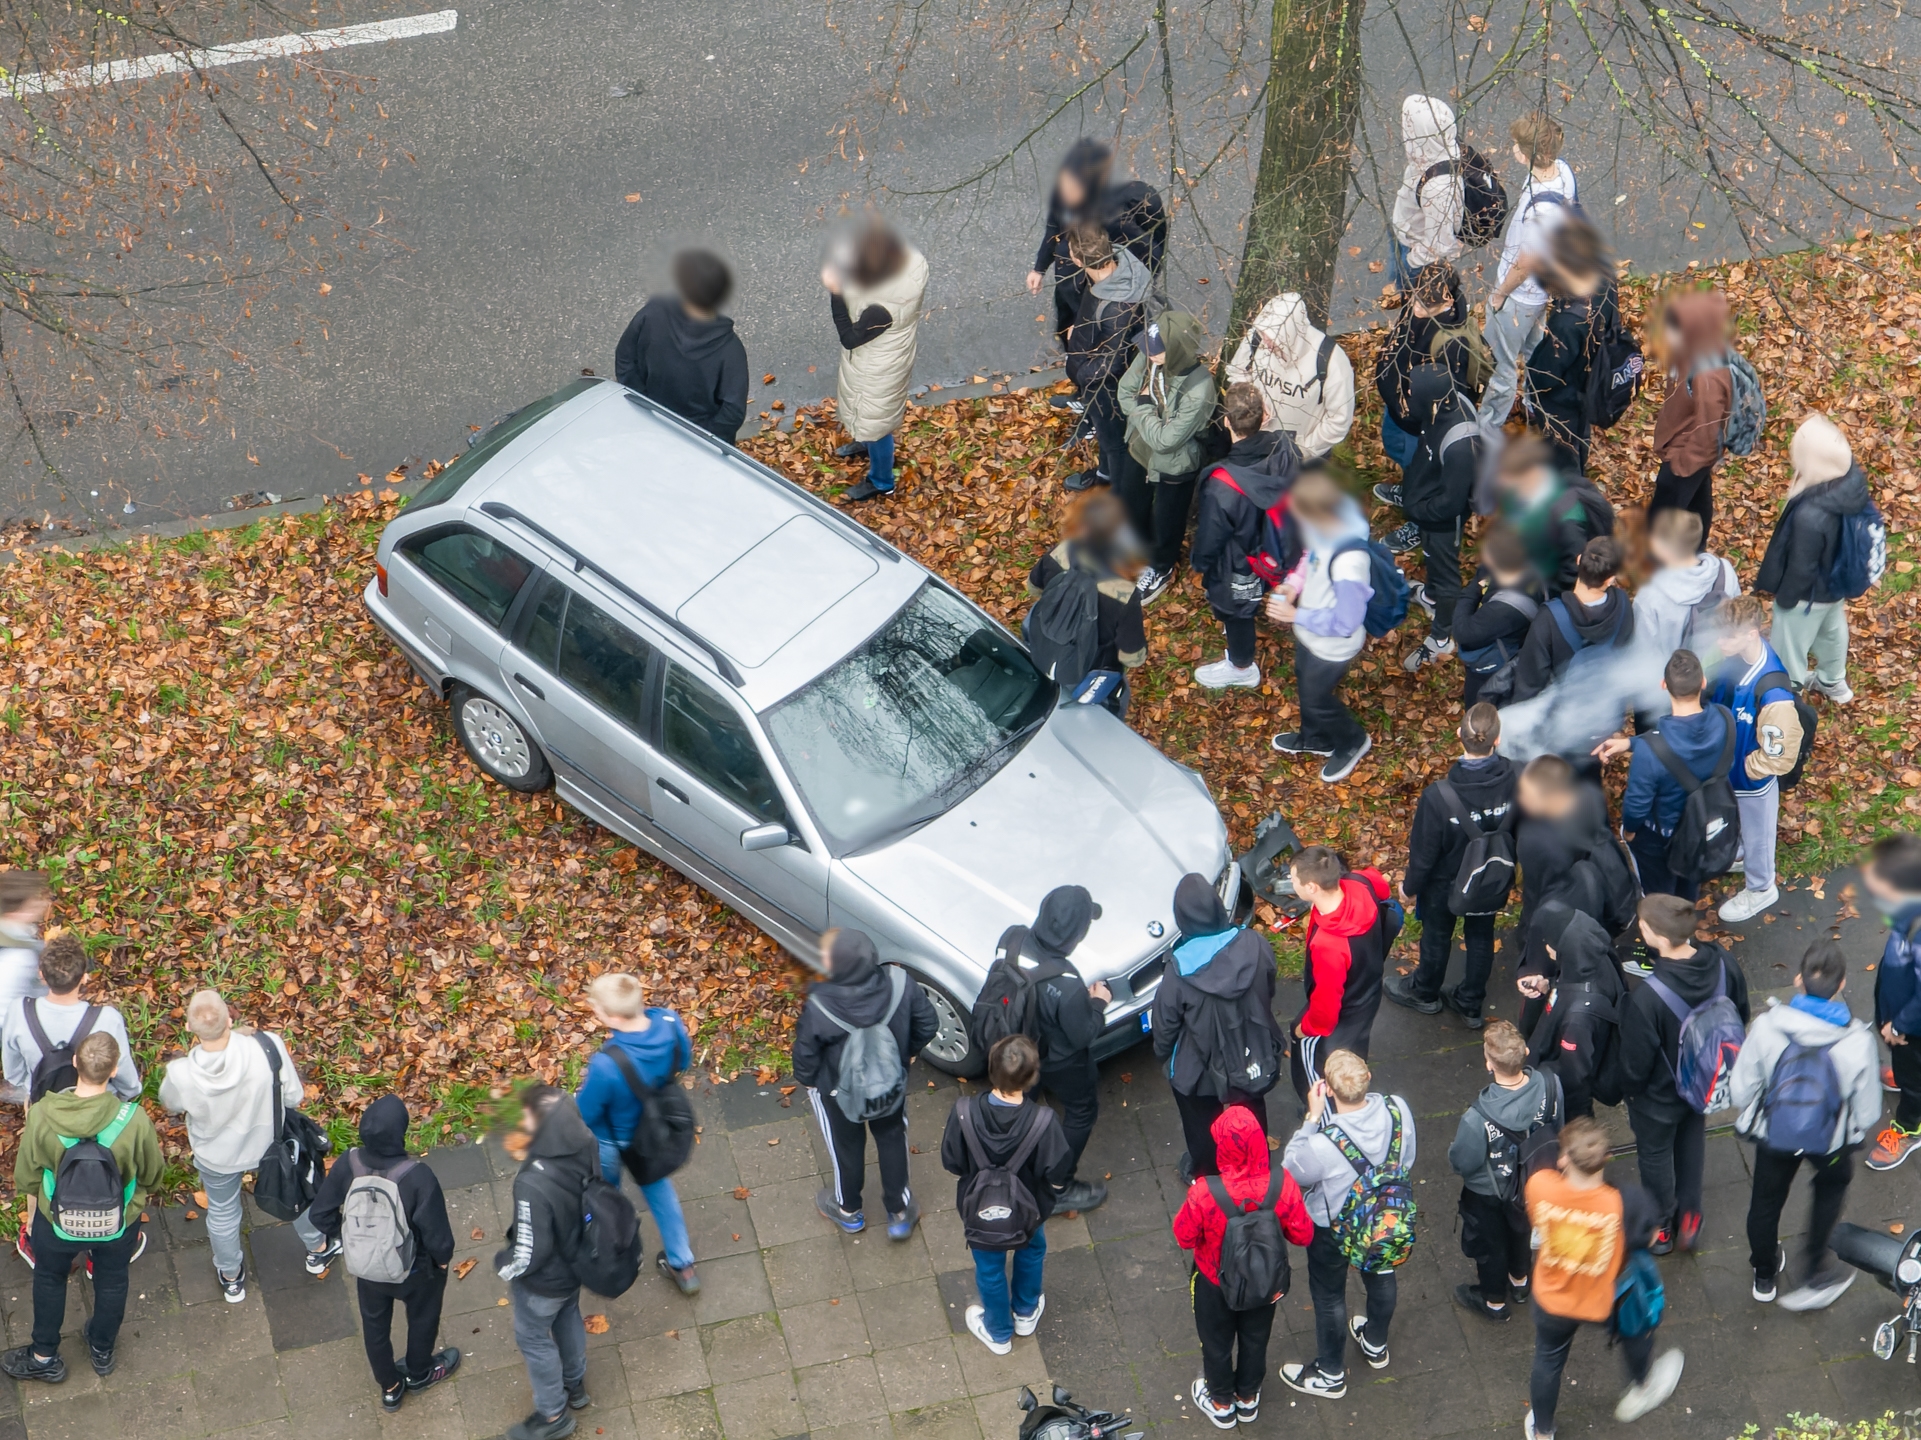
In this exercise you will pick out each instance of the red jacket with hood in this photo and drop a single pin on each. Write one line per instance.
(1345, 956)
(1241, 1145)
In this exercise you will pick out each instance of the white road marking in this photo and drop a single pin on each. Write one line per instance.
(277, 47)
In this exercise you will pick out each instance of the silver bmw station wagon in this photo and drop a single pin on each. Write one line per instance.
(743, 681)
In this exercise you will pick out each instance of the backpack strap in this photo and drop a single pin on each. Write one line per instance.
(964, 1113)
(117, 1126)
(88, 1018)
(639, 1088)
(1350, 1152)
(273, 1066)
(32, 1011)
(1557, 607)
(1395, 1136)
(821, 1005)
(1546, 197)
(1662, 751)
(1435, 172)
(1320, 364)
(1451, 798)
(1762, 689)
(1036, 1127)
(1464, 430)
(1222, 1200)
(1674, 1002)
(897, 982)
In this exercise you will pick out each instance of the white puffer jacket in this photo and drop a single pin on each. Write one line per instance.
(874, 378)
(1426, 216)
(1278, 353)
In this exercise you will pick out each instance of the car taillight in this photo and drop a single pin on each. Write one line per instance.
(380, 578)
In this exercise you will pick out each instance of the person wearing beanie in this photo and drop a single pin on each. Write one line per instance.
(859, 991)
(1809, 614)
(383, 1151)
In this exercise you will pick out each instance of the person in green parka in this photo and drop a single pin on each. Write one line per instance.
(1167, 397)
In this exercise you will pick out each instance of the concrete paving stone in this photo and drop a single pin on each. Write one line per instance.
(677, 1417)
(609, 1422)
(472, 1208)
(957, 1292)
(282, 1429)
(430, 1415)
(458, 1166)
(743, 1105)
(170, 1225)
(784, 1213)
(652, 1306)
(954, 1420)
(1075, 1341)
(1871, 1387)
(719, 1225)
(158, 1410)
(929, 1183)
(789, 1157)
(838, 1393)
(237, 1393)
(482, 1288)
(171, 1344)
(151, 1290)
(312, 1314)
(987, 1372)
(876, 1262)
(740, 1349)
(1117, 1147)
(946, 1243)
(326, 1375)
(915, 1377)
(607, 1378)
(75, 1417)
(803, 1271)
(710, 1168)
(1165, 1328)
(485, 1338)
(491, 1400)
(730, 1287)
(195, 1280)
(826, 1330)
(1067, 1231)
(907, 1314)
(660, 1365)
(998, 1412)
(1138, 1265)
(927, 1110)
(877, 1427)
(504, 1166)
(1130, 1210)
(764, 1408)
(1417, 1403)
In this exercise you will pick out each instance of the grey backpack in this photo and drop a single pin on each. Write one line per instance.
(377, 1241)
(873, 1082)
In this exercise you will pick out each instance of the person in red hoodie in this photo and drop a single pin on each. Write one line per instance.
(1350, 926)
(1228, 1391)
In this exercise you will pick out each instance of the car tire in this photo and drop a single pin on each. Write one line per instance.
(952, 1051)
(496, 741)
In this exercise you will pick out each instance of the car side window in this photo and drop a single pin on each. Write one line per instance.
(540, 629)
(477, 570)
(604, 660)
(701, 732)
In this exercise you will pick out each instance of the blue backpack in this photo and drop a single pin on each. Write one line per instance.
(1861, 553)
(1387, 606)
(1639, 1297)
(1586, 654)
(1709, 1043)
(1803, 1102)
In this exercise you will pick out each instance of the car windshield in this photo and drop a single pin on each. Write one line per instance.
(484, 446)
(911, 723)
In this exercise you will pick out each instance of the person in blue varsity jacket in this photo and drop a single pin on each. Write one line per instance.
(1753, 683)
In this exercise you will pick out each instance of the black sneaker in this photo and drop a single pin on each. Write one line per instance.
(1468, 1297)
(1341, 763)
(578, 1398)
(1470, 1018)
(1066, 402)
(1084, 480)
(1663, 1242)
(1289, 742)
(103, 1360)
(537, 1427)
(866, 490)
(1401, 991)
(445, 1363)
(1388, 494)
(319, 1260)
(23, 1364)
(1187, 1167)
(1403, 538)
(390, 1399)
(850, 450)
(1150, 584)
(688, 1281)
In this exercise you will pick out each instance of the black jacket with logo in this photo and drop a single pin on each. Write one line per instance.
(1435, 841)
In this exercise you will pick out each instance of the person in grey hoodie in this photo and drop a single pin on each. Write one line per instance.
(1671, 611)
(1769, 1100)
(1494, 1224)
(1340, 1100)
(1110, 316)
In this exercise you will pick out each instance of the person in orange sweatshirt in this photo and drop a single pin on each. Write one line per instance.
(1585, 1230)
(1351, 922)
(1687, 432)
(1234, 1341)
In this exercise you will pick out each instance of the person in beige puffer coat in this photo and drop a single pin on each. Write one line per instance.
(876, 290)
(1306, 378)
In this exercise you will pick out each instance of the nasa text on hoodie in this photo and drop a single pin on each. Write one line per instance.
(1280, 353)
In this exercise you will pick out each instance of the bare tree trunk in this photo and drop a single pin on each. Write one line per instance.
(1299, 212)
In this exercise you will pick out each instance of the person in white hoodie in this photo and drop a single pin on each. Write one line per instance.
(1304, 375)
(1806, 1086)
(1671, 611)
(225, 1089)
(1428, 206)
(25, 900)
(1373, 1125)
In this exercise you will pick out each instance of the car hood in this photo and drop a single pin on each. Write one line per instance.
(1085, 802)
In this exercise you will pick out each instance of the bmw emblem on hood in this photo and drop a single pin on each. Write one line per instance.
(1156, 929)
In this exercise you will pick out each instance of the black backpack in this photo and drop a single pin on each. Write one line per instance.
(84, 1198)
(54, 1069)
(1063, 629)
(1615, 367)
(1484, 202)
(1254, 1268)
(604, 1251)
(663, 1137)
(1810, 719)
(1238, 1053)
(1486, 875)
(1605, 865)
(998, 1211)
(289, 1174)
(1009, 999)
(1707, 837)
(1514, 1155)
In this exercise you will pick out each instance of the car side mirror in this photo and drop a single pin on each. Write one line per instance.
(764, 837)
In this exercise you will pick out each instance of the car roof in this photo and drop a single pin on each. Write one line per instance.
(728, 550)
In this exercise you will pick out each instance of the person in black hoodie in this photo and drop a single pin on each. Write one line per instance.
(1493, 616)
(1213, 958)
(1132, 213)
(1670, 1135)
(549, 1330)
(1437, 304)
(681, 352)
(1584, 997)
(1437, 492)
(1599, 613)
(1483, 785)
(1230, 531)
(1563, 822)
(860, 991)
(1581, 301)
(383, 1151)
(1069, 1015)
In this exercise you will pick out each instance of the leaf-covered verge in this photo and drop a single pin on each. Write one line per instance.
(1894, 1425)
(236, 782)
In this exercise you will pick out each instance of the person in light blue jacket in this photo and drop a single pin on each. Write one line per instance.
(656, 1042)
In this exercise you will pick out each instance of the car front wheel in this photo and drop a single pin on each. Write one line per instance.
(952, 1050)
(497, 742)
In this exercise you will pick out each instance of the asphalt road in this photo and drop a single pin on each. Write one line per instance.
(532, 122)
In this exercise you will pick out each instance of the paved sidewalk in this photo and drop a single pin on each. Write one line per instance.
(802, 1331)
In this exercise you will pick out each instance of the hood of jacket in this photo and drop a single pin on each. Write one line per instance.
(859, 1002)
(1427, 131)
(1684, 586)
(1585, 954)
(1844, 496)
(1130, 282)
(1265, 466)
(696, 339)
(1090, 162)
(1355, 914)
(1595, 623)
(1284, 321)
(1513, 1109)
(851, 957)
(1819, 451)
(1803, 1028)
(563, 1143)
(1197, 908)
(383, 1126)
(1368, 1127)
(1702, 318)
(1696, 739)
(1694, 978)
(1065, 914)
(1230, 964)
(1184, 337)
(1428, 386)
(1240, 1145)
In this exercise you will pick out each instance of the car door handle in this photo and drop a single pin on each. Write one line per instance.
(526, 684)
(672, 790)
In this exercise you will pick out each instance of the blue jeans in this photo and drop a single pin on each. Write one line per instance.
(1400, 445)
(880, 463)
(664, 1203)
(990, 1279)
(1399, 270)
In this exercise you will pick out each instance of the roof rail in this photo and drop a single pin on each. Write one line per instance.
(724, 665)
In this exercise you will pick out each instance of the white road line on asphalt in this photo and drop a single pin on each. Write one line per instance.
(277, 47)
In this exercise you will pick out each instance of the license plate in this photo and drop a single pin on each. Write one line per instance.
(1147, 1022)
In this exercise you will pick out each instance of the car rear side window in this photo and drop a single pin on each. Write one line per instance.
(701, 732)
(477, 570)
(603, 660)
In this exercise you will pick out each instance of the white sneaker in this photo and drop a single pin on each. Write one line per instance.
(1818, 1294)
(1748, 904)
(1028, 1324)
(977, 1327)
(1842, 694)
(1224, 673)
(1223, 1416)
(1652, 1392)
